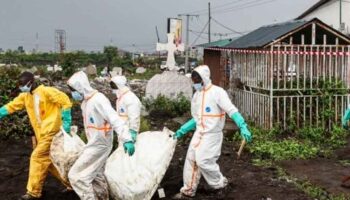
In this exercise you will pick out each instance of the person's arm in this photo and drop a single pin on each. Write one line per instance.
(185, 128)
(105, 109)
(16, 104)
(225, 104)
(58, 97)
(3, 112)
(133, 107)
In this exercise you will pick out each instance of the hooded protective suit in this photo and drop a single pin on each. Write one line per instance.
(44, 106)
(100, 119)
(128, 104)
(208, 108)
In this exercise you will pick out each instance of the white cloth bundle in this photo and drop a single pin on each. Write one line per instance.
(137, 177)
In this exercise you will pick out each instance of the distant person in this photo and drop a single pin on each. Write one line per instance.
(128, 105)
(48, 109)
(100, 119)
(209, 105)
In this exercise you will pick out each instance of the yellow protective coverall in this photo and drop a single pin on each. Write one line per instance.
(44, 107)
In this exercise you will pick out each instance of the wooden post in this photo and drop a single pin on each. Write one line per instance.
(313, 37)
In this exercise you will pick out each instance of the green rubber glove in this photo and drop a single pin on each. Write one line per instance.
(133, 134)
(346, 118)
(66, 119)
(129, 148)
(3, 112)
(184, 129)
(239, 120)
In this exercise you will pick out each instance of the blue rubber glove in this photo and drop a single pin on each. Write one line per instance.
(239, 120)
(133, 134)
(66, 120)
(346, 118)
(3, 112)
(129, 148)
(184, 129)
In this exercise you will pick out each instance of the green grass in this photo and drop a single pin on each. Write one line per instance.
(302, 144)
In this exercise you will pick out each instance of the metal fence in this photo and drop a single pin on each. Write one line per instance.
(291, 85)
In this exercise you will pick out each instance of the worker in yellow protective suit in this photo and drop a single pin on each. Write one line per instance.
(48, 109)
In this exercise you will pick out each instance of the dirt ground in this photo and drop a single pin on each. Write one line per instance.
(246, 181)
(326, 173)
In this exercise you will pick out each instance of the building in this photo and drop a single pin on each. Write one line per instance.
(214, 58)
(335, 13)
(281, 74)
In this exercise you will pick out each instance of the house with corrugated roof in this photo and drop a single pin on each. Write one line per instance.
(335, 13)
(275, 73)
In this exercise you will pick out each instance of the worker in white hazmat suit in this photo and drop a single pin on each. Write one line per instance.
(128, 105)
(100, 119)
(209, 105)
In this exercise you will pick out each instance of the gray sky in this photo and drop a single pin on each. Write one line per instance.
(91, 24)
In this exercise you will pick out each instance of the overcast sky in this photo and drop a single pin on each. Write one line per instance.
(130, 24)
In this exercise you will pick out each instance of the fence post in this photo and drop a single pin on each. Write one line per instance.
(271, 88)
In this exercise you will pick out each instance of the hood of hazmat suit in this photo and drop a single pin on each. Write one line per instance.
(100, 119)
(128, 105)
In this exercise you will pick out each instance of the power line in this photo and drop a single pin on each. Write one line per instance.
(245, 6)
(200, 33)
(194, 31)
(215, 7)
(230, 29)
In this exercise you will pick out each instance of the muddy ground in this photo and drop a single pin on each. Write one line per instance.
(326, 173)
(246, 181)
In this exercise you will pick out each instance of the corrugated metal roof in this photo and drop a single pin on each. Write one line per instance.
(219, 43)
(265, 34)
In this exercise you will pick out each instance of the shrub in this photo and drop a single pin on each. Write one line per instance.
(166, 107)
(303, 143)
(145, 125)
(16, 125)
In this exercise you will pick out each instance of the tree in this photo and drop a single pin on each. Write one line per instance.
(111, 54)
(68, 64)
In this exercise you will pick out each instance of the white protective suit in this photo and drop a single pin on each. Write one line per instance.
(128, 104)
(100, 119)
(208, 108)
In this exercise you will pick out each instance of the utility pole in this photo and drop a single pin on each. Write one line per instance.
(187, 49)
(209, 38)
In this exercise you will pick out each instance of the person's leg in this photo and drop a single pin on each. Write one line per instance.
(39, 166)
(191, 173)
(85, 170)
(206, 156)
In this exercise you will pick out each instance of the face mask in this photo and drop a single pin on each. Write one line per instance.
(26, 88)
(77, 96)
(198, 86)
